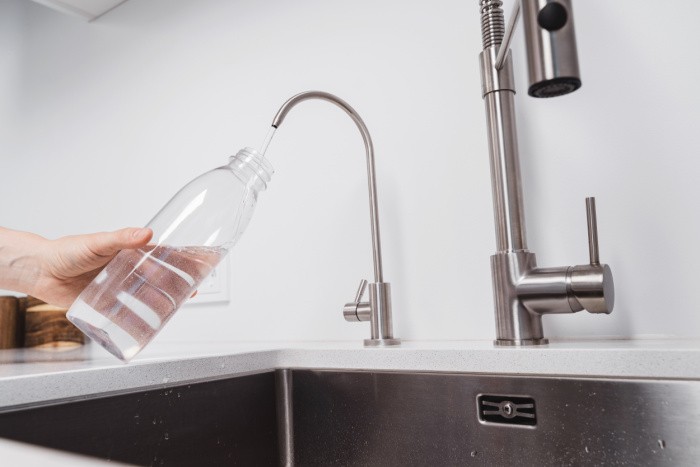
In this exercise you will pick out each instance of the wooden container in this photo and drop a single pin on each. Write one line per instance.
(46, 326)
(11, 323)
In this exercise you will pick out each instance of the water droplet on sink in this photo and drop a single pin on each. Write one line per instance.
(166, 436)
(662, 444)
(474, 453)
(586, 449)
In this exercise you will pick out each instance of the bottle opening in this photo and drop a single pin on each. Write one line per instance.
(253, 163)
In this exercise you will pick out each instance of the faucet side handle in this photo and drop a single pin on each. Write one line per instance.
(357, 310)
(361, 290)
(592, 284)
(592, 219)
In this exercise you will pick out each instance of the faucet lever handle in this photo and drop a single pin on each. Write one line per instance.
(593, 251)
(357, 310)
(361, 290)
(591, 285)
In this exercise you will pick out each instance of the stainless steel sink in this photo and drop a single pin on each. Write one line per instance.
(222, 422)
(310, 417)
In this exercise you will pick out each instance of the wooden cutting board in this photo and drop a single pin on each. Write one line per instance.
(11, 323)
(29, 322)
(46, 326)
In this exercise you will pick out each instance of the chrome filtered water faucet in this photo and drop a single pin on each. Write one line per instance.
(378, 309)
(524, 292)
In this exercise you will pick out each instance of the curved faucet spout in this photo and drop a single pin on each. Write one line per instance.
(369, 148)
(378, 309)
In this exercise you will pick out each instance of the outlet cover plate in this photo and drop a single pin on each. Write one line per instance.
(215, 288)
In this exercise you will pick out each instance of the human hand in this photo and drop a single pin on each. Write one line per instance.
(56, 271)
(71, 263)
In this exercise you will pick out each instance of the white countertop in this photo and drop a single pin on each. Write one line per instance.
(30, 377)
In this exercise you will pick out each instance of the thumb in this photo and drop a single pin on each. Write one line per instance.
(109, 243)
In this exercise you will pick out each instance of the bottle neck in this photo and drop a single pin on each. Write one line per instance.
(252, 167)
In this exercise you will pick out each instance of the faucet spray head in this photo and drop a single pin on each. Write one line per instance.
(551, 47)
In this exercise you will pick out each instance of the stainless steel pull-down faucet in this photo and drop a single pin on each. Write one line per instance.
(524, 292)
(378, 309)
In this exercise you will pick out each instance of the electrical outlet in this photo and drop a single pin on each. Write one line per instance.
(214, 288)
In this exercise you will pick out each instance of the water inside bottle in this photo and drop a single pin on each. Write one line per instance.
(133, 297)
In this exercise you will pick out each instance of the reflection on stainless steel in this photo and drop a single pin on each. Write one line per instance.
(524, 292)
(215, 423)
(378, 309)
(413, 419)
(285, 421)
(378, 418)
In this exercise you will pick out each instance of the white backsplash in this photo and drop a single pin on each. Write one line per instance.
(102, 122)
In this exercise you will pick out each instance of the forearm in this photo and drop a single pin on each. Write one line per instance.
(20, 260)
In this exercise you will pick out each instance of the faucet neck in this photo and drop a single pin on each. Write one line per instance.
(378, 309)
(498, 90)
(369, 149)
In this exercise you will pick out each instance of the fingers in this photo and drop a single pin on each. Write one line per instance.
(109, 243)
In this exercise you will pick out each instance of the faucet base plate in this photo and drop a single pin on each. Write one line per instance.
(382, 342)
(519, 342)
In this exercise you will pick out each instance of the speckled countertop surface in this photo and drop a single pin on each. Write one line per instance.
(30, 377)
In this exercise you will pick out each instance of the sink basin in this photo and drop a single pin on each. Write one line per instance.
(223, 422)
(325, 417)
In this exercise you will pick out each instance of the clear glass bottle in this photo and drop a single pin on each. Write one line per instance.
(133, 297)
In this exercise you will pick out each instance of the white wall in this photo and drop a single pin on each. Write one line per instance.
(102, 122)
